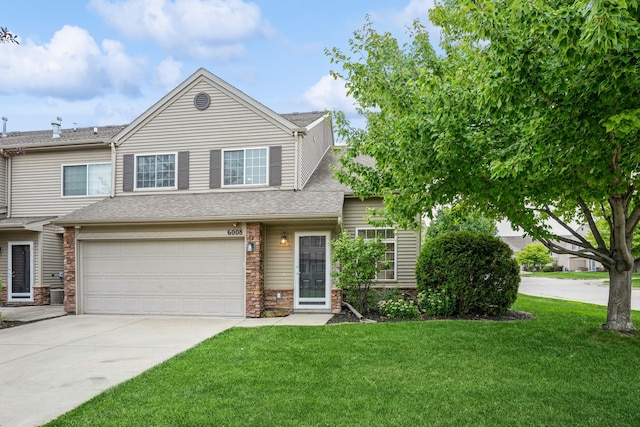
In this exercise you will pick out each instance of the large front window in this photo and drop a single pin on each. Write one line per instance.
(245, 167)
(156, 171)
(86, 180)
(388, 237)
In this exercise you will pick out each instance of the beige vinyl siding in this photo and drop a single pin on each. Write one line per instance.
(279, 260)
(226, 124)
(407, 242)
(37, 181)
(19, 236)
(312, 148)
(52, 256)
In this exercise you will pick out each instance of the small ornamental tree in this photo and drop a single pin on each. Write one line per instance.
(357, 263)
(534, 256)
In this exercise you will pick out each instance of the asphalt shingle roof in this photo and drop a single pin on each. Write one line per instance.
(43, 138)
(303, 119)
(239, 205)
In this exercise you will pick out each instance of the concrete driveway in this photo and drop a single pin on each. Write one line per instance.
(589, 291)
(50, 367)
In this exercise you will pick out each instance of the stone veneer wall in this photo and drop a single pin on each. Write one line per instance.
(69, 248)
(255, 270)
(41, 296)
(284, 303)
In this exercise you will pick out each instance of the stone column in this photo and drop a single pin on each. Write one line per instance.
(69, 248)
(255, 270)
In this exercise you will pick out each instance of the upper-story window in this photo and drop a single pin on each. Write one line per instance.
(156, 171)
(245, 167)
(93, 179)
(388, 265)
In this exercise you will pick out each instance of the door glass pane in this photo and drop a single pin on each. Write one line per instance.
(312, 267)
(20, 266)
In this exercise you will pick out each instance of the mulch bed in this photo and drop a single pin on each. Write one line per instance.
(346, 316)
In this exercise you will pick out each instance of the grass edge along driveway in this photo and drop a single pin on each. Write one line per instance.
(559, 369)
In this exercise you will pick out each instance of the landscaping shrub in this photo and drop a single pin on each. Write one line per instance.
(394, 306)
(475, 272)
(435, 302)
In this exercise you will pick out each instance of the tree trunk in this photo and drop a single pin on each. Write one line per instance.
(619, 306)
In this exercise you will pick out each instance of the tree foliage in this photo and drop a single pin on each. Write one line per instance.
(531, 115)
(7, 36)
(357, 263)
(534, 256)
(457, 218)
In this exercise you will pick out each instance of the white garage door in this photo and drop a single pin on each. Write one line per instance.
(193, 277)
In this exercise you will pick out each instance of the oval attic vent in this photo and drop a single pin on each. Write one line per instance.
(202, 101)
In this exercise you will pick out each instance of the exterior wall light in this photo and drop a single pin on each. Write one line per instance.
(251, 247)
(284, 240)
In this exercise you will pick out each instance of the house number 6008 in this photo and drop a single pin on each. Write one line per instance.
(234, 232)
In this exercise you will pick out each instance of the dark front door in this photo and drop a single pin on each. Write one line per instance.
(20, 272)
(312, 289)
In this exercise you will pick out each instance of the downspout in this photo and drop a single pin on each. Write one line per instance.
(113, 169)
(296, 142)
(9, 187)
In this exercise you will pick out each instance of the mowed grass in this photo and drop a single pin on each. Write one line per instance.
(559, 369)
(583, 275)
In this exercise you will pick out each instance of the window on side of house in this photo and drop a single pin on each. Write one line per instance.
(245, 167)
(156, 171)
(92, 179)
(388, 237)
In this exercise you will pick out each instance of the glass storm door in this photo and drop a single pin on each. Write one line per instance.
(313, 285)
(20, 271)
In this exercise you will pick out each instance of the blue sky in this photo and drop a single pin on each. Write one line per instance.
(104, 62)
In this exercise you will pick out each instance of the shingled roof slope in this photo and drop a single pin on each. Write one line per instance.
(43, 138)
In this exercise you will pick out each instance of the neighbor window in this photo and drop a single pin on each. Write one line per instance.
(86, 180)
(156, 171)
(388, 237)
(245, 167)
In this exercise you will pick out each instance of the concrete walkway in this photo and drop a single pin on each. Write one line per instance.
(50, 367)
(588, 291)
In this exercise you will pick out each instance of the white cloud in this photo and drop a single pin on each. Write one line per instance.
(168, 74)
(70, 66)
(330, 94)
(211, 29)
(396, 21)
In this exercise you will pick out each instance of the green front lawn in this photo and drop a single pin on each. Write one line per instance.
(559, 369)
(585, 275)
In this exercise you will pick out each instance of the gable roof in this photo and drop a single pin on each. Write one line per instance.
(203, 74)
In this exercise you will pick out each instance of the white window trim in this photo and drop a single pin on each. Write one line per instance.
(395, 250)
(175, 172)
(222, 184)
(84, 164)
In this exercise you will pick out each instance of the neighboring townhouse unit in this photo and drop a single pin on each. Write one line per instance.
(209, 203)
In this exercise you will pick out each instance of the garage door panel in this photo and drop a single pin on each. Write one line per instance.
(197, 277)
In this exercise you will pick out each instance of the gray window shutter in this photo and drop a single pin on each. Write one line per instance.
(275, 166)
(215, 169)
(128, 173)
(183, 170)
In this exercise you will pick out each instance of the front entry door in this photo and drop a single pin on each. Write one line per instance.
(313, 280)
(20, 271)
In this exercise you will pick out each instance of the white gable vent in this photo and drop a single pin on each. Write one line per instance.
(202, 101)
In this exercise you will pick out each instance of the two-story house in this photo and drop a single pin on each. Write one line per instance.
(209, 203)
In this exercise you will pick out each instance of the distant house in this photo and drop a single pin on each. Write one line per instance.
(566, 261)
(209, 203)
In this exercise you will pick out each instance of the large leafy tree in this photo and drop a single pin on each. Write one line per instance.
(531, 114)
(458, 218)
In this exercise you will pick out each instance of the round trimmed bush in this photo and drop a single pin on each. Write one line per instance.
(476, 272)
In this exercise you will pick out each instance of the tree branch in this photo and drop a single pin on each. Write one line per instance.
(592, 224)
(574, 233)
(584, 253)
